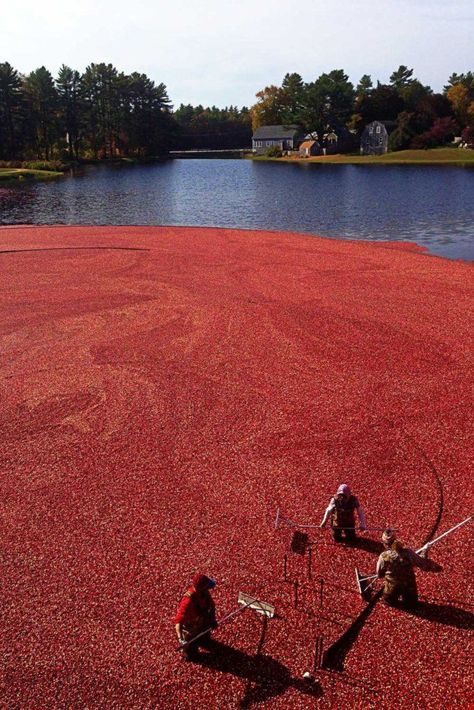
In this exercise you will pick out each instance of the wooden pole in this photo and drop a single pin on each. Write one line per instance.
(318, 653)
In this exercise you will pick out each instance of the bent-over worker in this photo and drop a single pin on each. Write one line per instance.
(341, 510)
(196, 613)
(395, 566)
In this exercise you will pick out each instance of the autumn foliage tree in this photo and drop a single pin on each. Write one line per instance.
(459, 97)
(270, 107)
(417, 115)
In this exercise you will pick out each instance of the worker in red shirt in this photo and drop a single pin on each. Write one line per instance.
(196, 613)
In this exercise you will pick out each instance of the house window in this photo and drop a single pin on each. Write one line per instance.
(378, 129)
(269, 142)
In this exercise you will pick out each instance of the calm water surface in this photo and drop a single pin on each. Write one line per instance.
(432, 206)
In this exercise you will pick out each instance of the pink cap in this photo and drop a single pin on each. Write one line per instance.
(343, 490)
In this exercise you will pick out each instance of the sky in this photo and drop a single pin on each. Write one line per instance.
(221, 52)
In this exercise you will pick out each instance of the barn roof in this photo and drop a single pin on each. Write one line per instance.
(276, 132)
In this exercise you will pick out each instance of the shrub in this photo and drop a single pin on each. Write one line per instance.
(468, 136)
(400, 138)
(57, 165)
(10, 164)
(45, 165)
(273, 152)
(441, 132)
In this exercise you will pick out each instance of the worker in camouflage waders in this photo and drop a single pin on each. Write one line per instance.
(341, 511)
(395, 566)
(196, 613)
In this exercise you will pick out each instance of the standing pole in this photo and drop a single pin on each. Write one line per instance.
(277, 519)
(318, 653)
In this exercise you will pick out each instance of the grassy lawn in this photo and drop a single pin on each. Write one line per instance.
(434, 156)
(25, 174)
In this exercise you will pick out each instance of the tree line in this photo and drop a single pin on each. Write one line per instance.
(104, 113)
(419, 117)
(101, 113)
(213, 128)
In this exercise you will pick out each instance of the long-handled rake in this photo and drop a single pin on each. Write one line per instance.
(245, 601)
(363, 583)
(281, 519)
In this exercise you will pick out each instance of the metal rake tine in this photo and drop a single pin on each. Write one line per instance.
(370, 576)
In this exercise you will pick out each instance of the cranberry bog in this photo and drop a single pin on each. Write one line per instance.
(164, 392)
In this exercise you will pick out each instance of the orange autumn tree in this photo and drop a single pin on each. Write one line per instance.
(458, 95)
(269, 107)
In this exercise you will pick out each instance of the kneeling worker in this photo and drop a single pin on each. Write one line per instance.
(341, 509)
(196, 613)
(395, 566)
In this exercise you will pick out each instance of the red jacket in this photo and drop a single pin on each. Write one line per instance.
(195, 607)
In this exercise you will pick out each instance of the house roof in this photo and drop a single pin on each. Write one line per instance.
(276, 132)
(308, 144)
(388, 125)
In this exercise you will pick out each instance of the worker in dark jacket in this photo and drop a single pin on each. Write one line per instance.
(341, 511)
(395, 565)
(196, 613)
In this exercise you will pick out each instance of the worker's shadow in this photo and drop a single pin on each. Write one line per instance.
(266, 677)
(444, 614)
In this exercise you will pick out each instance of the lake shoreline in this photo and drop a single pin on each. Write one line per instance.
(427, 204)
(397, 246)
(435, 156)
(20, 174)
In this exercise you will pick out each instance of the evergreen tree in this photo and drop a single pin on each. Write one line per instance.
(329, 102)
(384, 103)
(42, 100)
(11, 112)
(401, 77)
(101, 109)
(147, 123)
(292, 98)
(364, 86)
(70, 104)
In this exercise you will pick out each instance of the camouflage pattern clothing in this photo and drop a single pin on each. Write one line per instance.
(395, 565)
(341, 513)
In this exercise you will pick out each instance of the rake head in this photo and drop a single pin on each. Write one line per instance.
(364, 585)
(256, 604)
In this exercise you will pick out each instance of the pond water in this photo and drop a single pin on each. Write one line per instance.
(432, 206)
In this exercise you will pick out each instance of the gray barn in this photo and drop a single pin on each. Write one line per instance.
(284, 137)
(374, 139)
